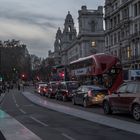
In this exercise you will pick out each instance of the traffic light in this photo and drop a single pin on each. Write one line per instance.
(23, 76)
(62, 74)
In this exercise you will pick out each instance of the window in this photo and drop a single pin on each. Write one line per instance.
(122, 89)
(125, 13)
(137, 89)
(93, 44)
(122, 34)
(111, 23)
(118, 18)
(118, 36)
(136, 28)
(130, 88)
(93, 25)
(135, 10)
(129, 52)
(111, 39)
(139, 7)
(115, 38)
(69, 29)
(70, 37)
(115, 21)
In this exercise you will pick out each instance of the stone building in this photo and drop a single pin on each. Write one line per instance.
(90, 39)
(69, 46)
(122, 31)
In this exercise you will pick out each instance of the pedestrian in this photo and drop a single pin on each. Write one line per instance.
(18, 86)
(0, 89)
(8, 86)
(4, 87)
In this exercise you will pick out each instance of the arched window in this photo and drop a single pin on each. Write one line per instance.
(59, 41)
(69, 29)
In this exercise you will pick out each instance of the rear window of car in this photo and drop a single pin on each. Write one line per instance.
(100, 92)
(137, 88)
(72, 85)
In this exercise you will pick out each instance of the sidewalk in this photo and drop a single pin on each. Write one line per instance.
(1, 135)
(11, 129)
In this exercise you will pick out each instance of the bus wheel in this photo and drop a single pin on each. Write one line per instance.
(136, 112)
(107, 108)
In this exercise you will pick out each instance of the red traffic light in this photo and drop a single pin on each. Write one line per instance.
(61, 74)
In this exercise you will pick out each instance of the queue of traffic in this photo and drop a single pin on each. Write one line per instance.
(126, 98)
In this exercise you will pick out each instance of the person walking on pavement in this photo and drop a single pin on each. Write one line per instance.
(18, 86)
(0, 89)
(8, 86)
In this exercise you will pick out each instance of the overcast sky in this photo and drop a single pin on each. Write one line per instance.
(35, 22)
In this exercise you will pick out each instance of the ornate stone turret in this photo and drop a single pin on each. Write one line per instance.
(69, 32)
(58, 38)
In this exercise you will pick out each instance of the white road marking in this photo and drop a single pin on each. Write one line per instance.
(36, 120)
(17, 105)
(67, 136)
(22, 111)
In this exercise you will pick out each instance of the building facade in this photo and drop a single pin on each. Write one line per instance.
(90, 39)
(122, 31)
(69, 46)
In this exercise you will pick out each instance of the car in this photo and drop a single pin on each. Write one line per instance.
(88, 95)
(125, 99)
(42, 89)
(66, 89)
(52, 88)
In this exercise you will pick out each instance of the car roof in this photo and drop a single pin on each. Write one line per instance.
(132, 81)
(94, 87)
(69, 82)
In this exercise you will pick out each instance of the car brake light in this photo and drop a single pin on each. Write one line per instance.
(90, 93)
(66, 92)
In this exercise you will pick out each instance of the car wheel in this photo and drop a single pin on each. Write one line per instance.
(73, 101)
(85, 104)
(56, 97)
(136, 112)
(106, 107)
(64, 98)
(49, 95)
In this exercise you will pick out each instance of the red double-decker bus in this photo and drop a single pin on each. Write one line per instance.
(102, 69)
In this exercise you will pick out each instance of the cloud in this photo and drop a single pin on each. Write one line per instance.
(35, 22)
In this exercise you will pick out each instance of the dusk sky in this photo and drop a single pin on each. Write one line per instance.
(35, 22)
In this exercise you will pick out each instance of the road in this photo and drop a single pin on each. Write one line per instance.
(53, 125)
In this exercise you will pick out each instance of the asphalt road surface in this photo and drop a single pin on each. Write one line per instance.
(52, 125)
